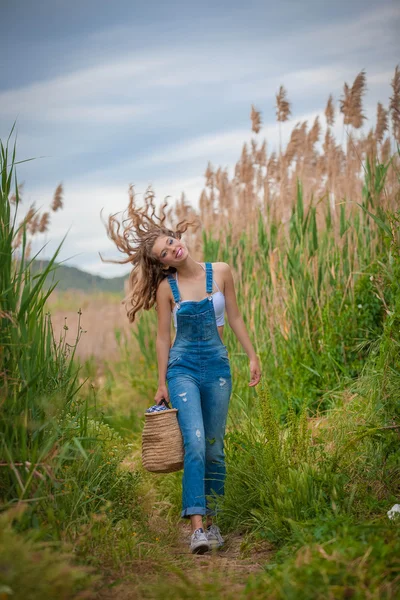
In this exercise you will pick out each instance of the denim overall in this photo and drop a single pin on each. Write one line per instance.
(199, 385)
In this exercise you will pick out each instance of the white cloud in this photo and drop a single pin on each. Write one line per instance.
(77, 95)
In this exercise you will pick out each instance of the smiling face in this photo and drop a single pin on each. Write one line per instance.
(169, 251)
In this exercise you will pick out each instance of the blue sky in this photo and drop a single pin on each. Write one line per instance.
(113, 93)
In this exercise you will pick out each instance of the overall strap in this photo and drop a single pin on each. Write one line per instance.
(209, 278)
(174, 288)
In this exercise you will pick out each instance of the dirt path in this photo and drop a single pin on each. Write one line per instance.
(220, 574)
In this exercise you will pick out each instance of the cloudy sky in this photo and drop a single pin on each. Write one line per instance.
(111, 93)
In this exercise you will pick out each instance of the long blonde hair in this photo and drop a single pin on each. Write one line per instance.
(134, 235)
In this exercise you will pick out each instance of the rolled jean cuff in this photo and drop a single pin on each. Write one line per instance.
(193, 510)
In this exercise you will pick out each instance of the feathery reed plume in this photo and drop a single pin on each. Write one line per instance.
(330, 111)
(33, 224)
(272, 166)
(44, 223)
(283, 111)
(351, 102)
(394, 106)
(13, 197)
(385, 150)
(329, 142)
(314, 132)
(29, 223)
(256, 120)
(268, 182)
(262, 155)
(381, 122)
(369, 146)
(345, 104)
(358, 89)
(209, 175)
(294, 144)
(30, 214)
(57, 198)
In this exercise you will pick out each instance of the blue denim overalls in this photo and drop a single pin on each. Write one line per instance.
(199, 385)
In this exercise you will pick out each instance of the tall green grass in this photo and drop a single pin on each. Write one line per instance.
(38, 376)
(59, 462)
(309, 294)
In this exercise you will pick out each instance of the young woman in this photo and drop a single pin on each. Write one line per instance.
(193, 372)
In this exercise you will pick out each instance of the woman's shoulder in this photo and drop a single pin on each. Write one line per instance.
(221, 267)
(164, 288)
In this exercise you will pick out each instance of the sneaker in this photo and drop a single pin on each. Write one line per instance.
(214, 537)
(198, 542)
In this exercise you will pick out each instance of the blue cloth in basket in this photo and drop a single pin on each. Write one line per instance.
(157, 408)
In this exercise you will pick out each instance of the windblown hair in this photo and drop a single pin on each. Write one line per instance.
(134, 234)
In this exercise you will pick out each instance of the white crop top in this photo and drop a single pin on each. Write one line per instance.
(218, 302)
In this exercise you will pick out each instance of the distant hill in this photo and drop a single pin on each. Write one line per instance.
(71, 278)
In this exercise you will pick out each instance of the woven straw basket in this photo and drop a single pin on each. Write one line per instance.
(162, 444)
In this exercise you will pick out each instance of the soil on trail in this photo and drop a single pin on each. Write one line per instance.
(185, 575)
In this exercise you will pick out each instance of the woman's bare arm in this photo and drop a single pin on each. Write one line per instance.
(163, 342)
(237, 324)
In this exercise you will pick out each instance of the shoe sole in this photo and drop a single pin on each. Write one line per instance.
(201, 549)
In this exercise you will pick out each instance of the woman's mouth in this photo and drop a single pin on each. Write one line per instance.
(179, 253)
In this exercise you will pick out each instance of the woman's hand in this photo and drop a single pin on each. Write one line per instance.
(255, 372)
(161, 393)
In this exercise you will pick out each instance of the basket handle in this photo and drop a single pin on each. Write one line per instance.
(165, 402)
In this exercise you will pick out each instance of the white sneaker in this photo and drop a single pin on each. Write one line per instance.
(214, 537)
(198, 542)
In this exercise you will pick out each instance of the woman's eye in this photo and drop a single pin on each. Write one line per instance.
(163, 253)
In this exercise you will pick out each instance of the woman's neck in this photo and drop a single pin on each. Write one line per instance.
(190, 269)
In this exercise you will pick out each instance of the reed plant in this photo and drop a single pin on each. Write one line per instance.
(301, 233)
(319, 487)
(309, 300)
(59, 463)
